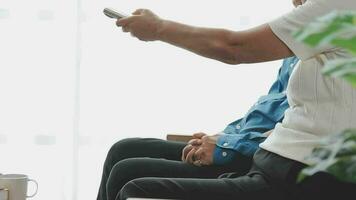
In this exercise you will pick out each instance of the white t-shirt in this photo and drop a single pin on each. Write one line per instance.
(319, 105)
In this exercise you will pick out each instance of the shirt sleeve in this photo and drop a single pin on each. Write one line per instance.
(284, 27)
(229, 144)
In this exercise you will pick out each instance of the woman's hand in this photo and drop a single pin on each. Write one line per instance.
(143, 24)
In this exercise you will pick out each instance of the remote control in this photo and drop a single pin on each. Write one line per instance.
(113, 14)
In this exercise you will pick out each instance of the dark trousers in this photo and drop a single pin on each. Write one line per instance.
(270, 177)
(324, 186)
(134, 158)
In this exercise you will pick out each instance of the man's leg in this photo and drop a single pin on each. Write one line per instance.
(137, 147)
(271, 177)
(133, 168)
(324, 186)
(136, 158)
(252, 187)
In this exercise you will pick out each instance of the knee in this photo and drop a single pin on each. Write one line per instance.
(125, 170)
(122, 172)
(121, 149)
(132, 189)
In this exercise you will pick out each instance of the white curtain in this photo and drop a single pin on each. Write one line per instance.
(71, 84)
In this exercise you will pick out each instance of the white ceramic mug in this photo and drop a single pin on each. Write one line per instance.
(14, 186)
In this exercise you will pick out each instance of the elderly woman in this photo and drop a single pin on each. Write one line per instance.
(319, 106)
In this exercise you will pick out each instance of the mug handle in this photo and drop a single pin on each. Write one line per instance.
(35, 182)
(4, 194)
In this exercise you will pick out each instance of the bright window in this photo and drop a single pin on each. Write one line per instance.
(71, 84)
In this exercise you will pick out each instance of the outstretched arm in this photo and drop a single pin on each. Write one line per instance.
(233, 47)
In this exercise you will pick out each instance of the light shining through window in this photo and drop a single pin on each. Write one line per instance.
(72, 83)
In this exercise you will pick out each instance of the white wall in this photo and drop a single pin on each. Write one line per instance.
(128, 88)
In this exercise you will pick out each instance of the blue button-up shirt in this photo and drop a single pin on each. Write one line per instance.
(244, 135)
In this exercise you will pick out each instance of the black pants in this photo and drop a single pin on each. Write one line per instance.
(134, 158)
(324, 186)
(271, 177)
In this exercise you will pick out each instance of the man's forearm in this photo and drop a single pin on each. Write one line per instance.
(207, 42)
(258, 44)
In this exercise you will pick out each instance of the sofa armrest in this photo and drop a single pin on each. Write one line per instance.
(179, 138)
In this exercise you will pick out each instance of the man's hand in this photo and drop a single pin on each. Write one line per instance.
(298, 2)
(143, 24)
(193, 143)
(204, 154)
(200, 150)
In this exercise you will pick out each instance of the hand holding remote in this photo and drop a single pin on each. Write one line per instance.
(143, 24)
(113, 13)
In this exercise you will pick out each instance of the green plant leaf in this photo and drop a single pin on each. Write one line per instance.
(351, 79)
(346, 43)
(342, 68)
(344, 169)
(348, 149)
(337, 156)
(328, 28)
